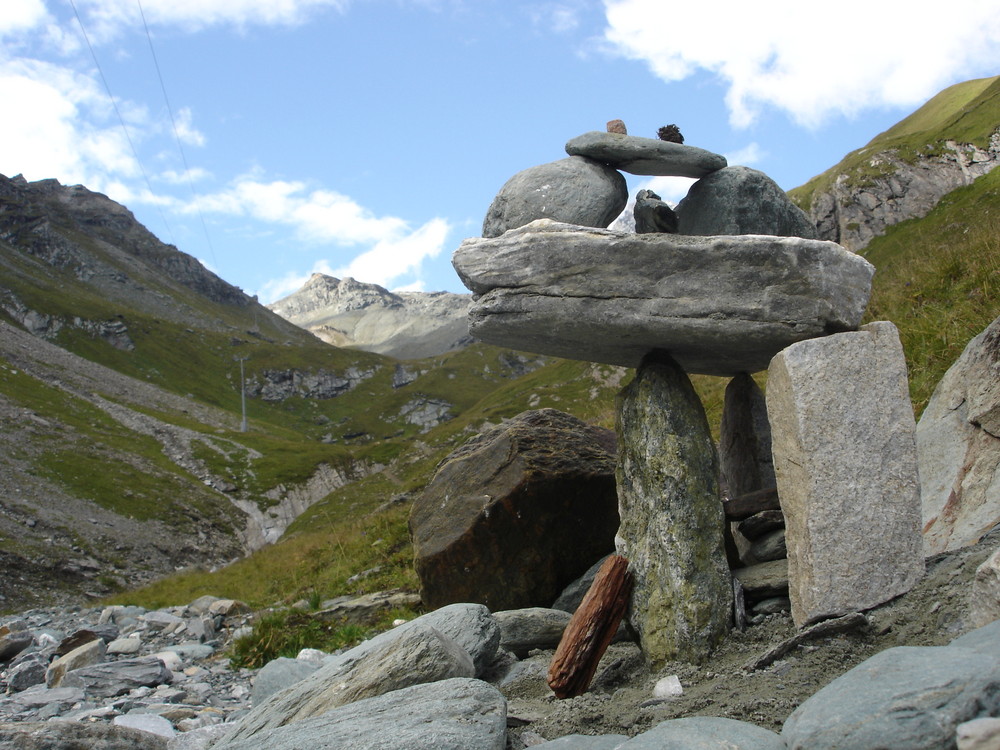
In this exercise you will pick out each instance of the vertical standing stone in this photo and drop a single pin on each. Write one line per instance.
(745, 438)
(846, 466)
(671, 515)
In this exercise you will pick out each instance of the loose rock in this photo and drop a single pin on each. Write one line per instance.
(958, 444)
(909, 697)
(456, 714)
(645, 156)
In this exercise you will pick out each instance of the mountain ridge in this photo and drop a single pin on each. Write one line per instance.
(904, 171)
(355, 314)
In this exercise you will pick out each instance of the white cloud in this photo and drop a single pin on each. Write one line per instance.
(318, 215)
(398, 256)
(107, 18)
(561, 18)
(57, 129)
(670, 189)
(173, 177)
(20, 15)
(812, 61)
(326, 217)
(186, 132)
(388, 260)
(749, 154)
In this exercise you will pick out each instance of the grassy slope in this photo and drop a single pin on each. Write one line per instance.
(938, 279)
(967, 112)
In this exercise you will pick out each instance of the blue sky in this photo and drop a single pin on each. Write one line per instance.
(366, 138)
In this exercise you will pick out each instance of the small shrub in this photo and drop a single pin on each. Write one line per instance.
(670, 133)
(286, 632)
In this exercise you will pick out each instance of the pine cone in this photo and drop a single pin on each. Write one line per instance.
(670, 133)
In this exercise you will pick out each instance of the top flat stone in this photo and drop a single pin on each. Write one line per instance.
(645, 156)
(720, 305)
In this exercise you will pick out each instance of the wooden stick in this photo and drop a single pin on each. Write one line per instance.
(591, 629)
(852, 621)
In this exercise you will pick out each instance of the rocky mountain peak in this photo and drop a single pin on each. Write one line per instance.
(39, 219)
(351, 313)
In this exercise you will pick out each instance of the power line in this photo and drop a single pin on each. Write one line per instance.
(121, 119)
(177, 137)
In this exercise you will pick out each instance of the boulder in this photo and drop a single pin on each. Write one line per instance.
(522, 630)
(958, 447)
(984, 595)
(584, 742)
(652, 214)
(574, 190)
(740, 200)
(770, 546)
(979, 734)
(745, 439)
(146, 723)
(705, 733)
(645, 156)
(117, 677)
(719, 305)
(454, 714)
(846, 466)
(671, 515)
(410, 656)
(985, 640)
(516, 513)
(764, 580)
(13, 642)
(279, 674)
(761, 523)
(89, 653)
(911, 697)
(125, 646)
(573, 594)
(26, 671)
(471, 626)
(71, 735)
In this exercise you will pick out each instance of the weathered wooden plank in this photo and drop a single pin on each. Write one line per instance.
(590, 631)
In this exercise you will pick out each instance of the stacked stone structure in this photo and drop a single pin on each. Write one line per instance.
(742, 286)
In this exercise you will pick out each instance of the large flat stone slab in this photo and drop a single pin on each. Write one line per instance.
(645, 156)
(720, 305)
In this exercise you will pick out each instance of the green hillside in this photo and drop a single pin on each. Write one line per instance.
(938, 279)
(144, 437)
(967, 112)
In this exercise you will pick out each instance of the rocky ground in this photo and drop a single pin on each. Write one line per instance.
(621, 701)
(204, 691)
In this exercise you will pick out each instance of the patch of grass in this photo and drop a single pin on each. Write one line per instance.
(938, 280)
(286, 632)
(319, 559)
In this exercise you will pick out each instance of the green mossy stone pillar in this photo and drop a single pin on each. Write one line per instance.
(671, 515)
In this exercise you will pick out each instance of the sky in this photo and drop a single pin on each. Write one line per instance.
(272, 139)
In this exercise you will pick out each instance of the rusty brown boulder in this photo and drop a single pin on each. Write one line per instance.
(517, 513)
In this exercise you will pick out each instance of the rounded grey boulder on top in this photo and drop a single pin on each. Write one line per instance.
(645, 156)
(740, 200)
(576, 190)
